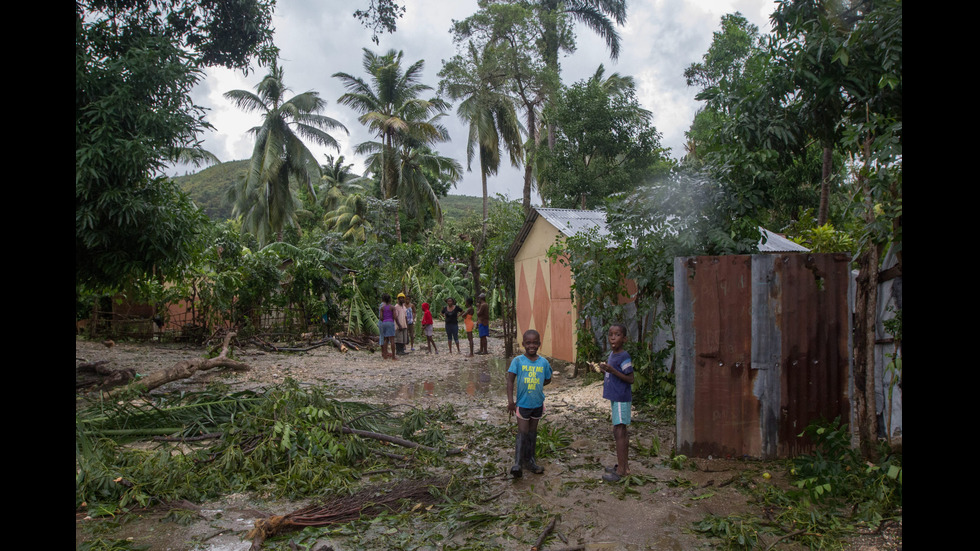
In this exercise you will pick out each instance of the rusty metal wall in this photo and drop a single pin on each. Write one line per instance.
(762, 350)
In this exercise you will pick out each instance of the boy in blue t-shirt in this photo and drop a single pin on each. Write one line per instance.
(617, 388)
(529, 373)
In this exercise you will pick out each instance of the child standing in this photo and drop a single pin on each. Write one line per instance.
(468, 323)
(529, 373)
(617, 388)
(427, 328)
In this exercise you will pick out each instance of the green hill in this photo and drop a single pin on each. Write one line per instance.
(209, 190)
(209, 187)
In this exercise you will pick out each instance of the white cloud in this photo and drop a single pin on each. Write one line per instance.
(318, 39)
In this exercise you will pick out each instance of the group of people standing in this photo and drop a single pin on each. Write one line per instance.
(397, 325)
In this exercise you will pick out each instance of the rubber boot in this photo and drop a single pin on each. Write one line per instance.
(399, 349)
(515, 471)
(530, 446)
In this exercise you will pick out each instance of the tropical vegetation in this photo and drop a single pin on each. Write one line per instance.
(800, 131)
(264, 198)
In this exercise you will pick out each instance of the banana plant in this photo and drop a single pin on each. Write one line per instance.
(452, 285)
(361, 318)
(412, 283)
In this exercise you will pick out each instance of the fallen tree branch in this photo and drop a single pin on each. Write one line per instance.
(186, 368)
(544, 535)
(327, 340)
(396, 440)
(784, 536)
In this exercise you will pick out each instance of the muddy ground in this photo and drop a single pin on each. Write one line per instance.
(593, 513)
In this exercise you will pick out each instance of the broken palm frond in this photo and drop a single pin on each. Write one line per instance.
(187, 415)
(368, 502)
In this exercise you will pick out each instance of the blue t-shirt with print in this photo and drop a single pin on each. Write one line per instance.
(613, 388)
(530, 380)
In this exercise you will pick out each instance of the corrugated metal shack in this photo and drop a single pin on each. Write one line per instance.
(762, 351)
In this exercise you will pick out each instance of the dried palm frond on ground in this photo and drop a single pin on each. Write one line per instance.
(368, 502)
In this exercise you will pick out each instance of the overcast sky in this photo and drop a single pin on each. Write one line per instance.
(318, 38)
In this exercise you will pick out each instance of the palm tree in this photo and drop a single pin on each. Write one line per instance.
(601, 16)
(337, 181)
(352, 215)
(263, 198)
(417, 169)
(390, 107)
(490, 113)
(345, 196)
(492, 118)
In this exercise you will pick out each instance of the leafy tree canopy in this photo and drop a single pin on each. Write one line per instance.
(605, 144)
(136, 63)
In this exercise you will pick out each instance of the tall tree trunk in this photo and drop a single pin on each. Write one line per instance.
(551, 46)
(865, 320)
(475, 267)
(527, 189)
(398, 224)
(484, 235)
(529, 158)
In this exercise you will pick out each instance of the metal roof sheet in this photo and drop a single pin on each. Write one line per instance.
(774, 243)
(574, 221)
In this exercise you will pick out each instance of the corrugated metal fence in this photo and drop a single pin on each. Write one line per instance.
(762, 351)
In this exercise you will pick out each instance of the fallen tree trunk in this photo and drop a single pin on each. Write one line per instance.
(338, 344)
(186, 368)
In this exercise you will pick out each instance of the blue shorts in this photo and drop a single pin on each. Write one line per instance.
(621, 413)
(387, 329)
(483, 329)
